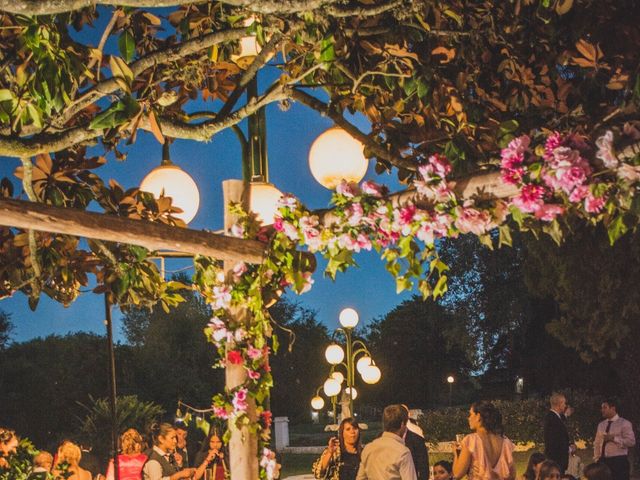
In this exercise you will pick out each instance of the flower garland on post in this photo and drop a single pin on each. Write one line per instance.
(557, 176)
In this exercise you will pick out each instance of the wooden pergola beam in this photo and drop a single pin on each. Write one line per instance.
(153, 236)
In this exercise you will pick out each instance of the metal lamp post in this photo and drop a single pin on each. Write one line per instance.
(336, 356)
(450, 381)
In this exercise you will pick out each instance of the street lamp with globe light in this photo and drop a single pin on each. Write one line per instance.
(450, 381)
(347, 357)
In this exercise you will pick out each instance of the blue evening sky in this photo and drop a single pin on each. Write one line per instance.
(369, 288)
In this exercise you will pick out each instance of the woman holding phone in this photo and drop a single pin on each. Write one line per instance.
(341, 459)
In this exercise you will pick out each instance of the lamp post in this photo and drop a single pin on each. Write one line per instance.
(450, 381)
(347, 357)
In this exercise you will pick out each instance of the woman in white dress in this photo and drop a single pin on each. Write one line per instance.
(485, 454)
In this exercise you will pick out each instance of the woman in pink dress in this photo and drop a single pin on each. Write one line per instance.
(131, 460)
(485, 454)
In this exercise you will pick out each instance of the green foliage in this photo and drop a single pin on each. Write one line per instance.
(5, 329)
(523, 420)
(130, 413)
(21, 462)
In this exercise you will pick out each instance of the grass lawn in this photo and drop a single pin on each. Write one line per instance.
(298, 464)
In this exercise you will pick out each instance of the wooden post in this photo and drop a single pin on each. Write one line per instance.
(243, 445)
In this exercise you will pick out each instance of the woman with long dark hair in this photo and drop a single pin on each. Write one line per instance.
(533, 466)
(341, 459)
(210, 462)
(486, 454)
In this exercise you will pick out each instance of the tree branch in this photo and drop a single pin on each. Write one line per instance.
(377, 150)
(49, 7)
(170, 54)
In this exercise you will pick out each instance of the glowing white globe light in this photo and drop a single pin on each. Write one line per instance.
(317, 402)
(172, 181)
(450, 379)
(351, 391)
(363, 362)
(334, 354)
(331, 387)
(338, 376)
(349, 318)
(335, 155)
(264, 201)
(371, 374)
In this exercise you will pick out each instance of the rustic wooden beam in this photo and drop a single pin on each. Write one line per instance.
(153, 236)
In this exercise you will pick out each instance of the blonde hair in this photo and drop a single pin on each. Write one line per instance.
(69, 452)
(43, 459)
(131, 442)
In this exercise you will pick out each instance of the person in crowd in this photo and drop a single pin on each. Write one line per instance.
(614, 437)
(161, 464)
(387, 457)
(8, 445)
(568, 476)
(557, 442)
(486, 453)
(341, 459)
(442, 470)
(69, 455)
(130, 459)
(42, 464)
(89, 460)
(549, 470)
(210, 459)
(597, 471)
(533, 466)
(182, 455)
(416, 444)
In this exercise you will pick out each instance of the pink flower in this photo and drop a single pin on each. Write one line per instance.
(605, 150)
(629, 173)
(363, 242)
(578, 193)
(290, 230)
(239, 401)
(549, 212)
(240, 334)
(472, 220)
(354, 213)
(554, 141)
(512, 160)
(254, 353)
(287, 200)
(406, 214)
(308, 282)
(253, 375)
(438, 165)
(220, 412)
(221, 296)
(237, 230)
(312, 239)
(347, 189)
(594, 204)
(373, 189)
(530, 198)
(239, 269)
(234, 357)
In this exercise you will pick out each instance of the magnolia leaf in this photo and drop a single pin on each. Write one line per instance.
(616, 229)
(504, 236)
(155, 127)
(153, 20)
(441, 287)
(121, 72)
(563, 6)
(127, 46)
(449, 53)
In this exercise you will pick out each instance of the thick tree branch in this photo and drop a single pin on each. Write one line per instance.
(170, 54)
(10, 146)
(48, 7)
(377, 150)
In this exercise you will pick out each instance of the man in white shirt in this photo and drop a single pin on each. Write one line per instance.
(614, 437)
(387, 457)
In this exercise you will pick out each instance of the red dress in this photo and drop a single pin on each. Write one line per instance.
(129, 467)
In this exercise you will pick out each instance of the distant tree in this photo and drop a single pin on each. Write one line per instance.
(299, 365)
(171, 355)
(416, 345)
(5, 329)
(42, 381)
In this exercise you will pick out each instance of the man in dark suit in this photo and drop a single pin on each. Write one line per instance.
(416, 444)
(556, 437)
